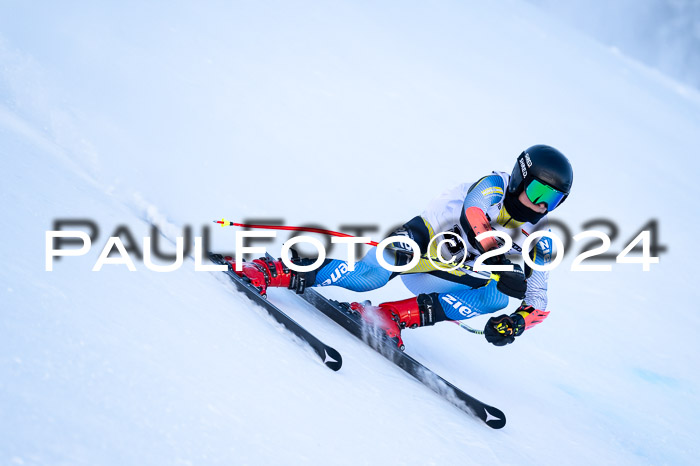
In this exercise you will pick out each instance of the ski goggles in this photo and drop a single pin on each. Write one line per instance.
(538, 192)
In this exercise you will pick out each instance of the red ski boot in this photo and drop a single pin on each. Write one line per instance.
(394, 316)
(267, 272)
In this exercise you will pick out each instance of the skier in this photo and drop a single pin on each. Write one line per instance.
(540, 181)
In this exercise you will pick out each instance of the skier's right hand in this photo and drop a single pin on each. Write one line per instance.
(502, 330)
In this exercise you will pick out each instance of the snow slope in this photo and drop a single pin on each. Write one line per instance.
(338, 113)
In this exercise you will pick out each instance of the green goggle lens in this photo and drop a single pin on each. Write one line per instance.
(539, 192)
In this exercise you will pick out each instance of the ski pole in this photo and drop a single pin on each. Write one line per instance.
(322, 231)
(468, 328)
(225, 223)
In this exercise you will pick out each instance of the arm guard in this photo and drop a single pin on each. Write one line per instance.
(527, 317)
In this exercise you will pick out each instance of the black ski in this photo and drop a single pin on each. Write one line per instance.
(348, 319)
(328, 355)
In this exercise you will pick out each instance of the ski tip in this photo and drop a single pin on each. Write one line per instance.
(494, 418)
(332, 358)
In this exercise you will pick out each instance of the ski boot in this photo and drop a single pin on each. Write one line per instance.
(395, 316)
(267, 272)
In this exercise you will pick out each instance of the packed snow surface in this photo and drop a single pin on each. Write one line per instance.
(136, 114)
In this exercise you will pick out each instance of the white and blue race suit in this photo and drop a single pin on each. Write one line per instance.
(462, 294)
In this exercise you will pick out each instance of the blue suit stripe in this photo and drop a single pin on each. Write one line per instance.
(468, 303)
(368, 274)
(486, 192)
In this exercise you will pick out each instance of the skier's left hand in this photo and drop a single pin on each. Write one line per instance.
(511, 283)
(502, 330)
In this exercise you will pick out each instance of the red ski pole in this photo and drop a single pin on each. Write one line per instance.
(225, 223)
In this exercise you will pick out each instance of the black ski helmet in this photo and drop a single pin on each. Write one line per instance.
(545, 164)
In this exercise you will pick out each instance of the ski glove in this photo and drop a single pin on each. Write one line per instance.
(511, 283)
(502, 330)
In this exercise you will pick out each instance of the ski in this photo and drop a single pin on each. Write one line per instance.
(348, 319)
(330, 357)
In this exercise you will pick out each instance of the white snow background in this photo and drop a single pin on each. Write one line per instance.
(179, 113)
